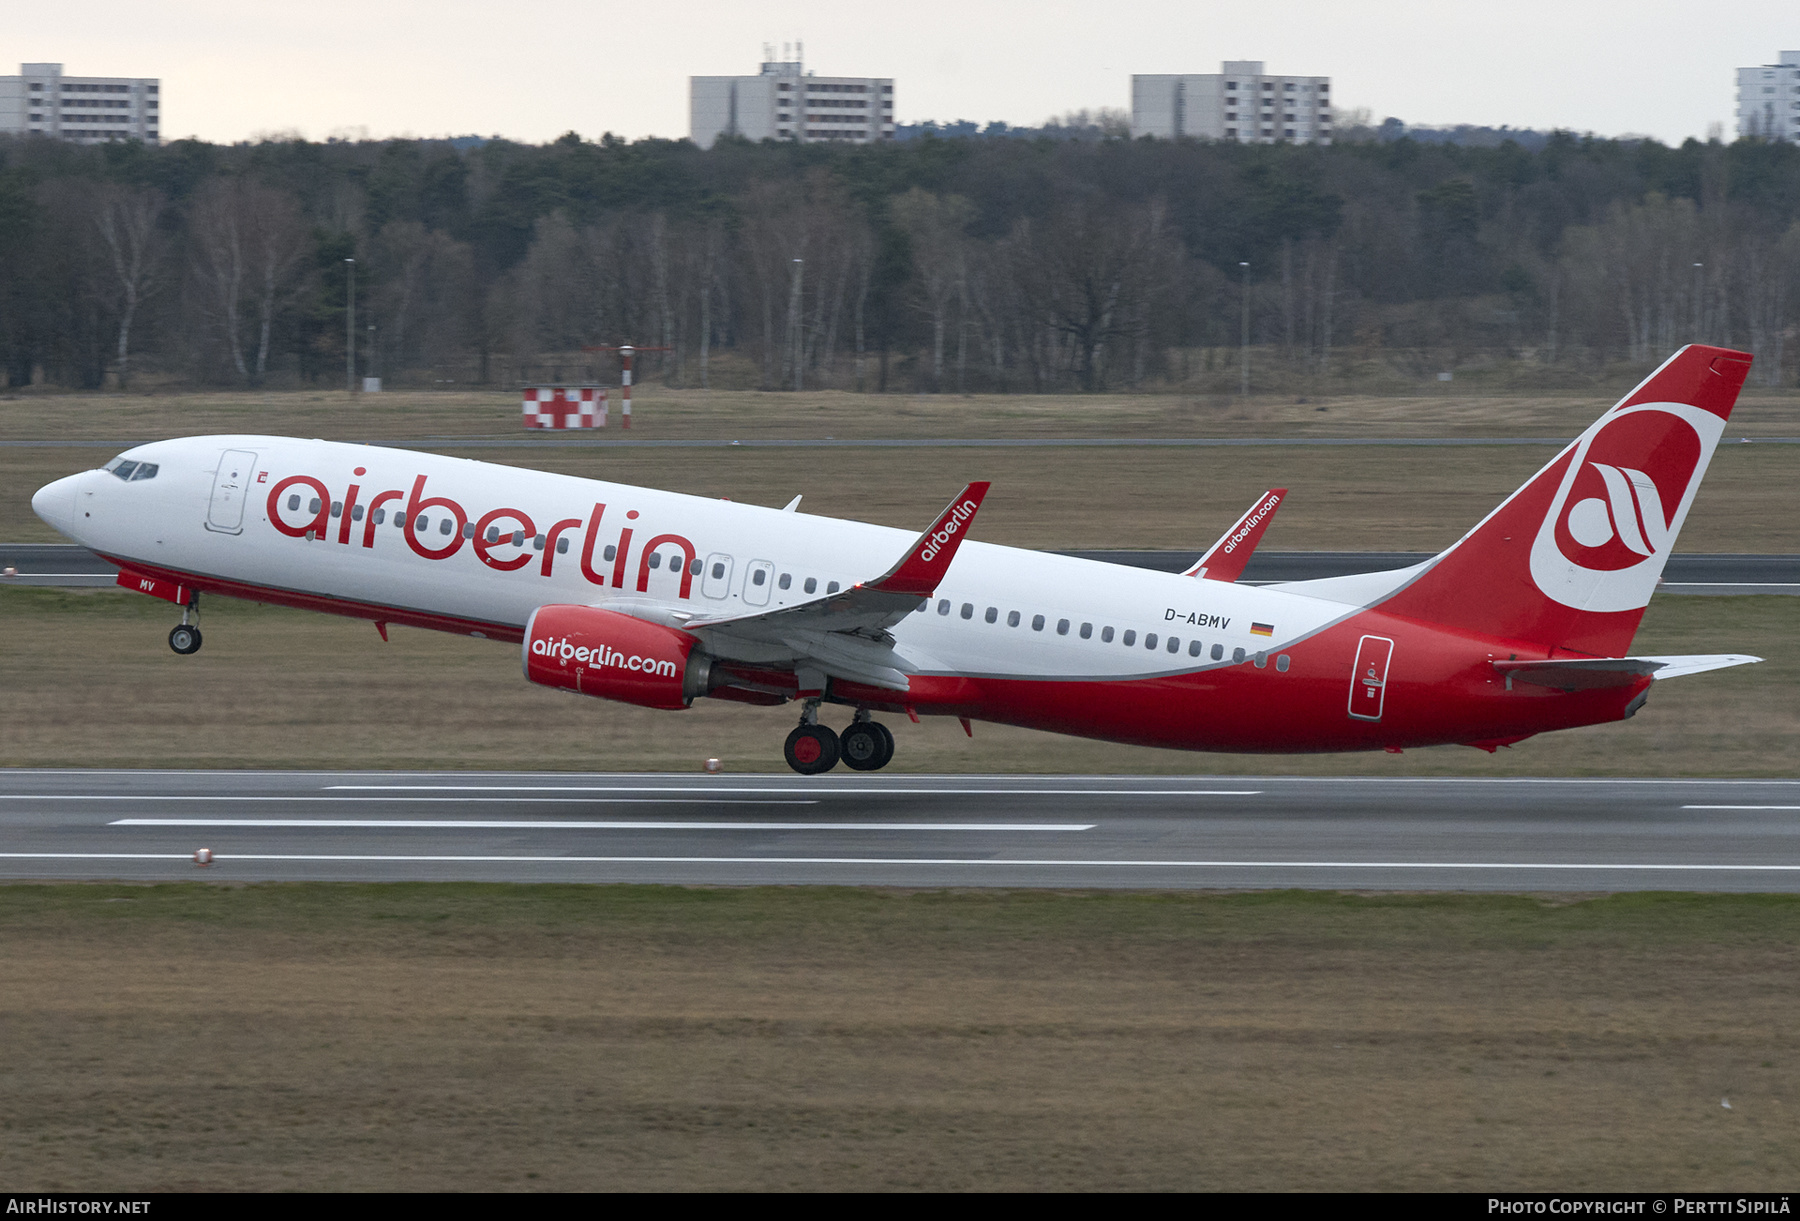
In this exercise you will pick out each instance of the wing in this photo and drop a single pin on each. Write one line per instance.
(845, 634)
(1226, 560)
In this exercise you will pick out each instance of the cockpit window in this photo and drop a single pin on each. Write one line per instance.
(131, 471)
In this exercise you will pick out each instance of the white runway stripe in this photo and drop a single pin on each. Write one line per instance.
(880, 860)
(642, 825)
(552, 801)
(1741, 807)
(808, 788)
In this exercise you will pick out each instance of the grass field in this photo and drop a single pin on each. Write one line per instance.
(189, 1037)
(90, 682)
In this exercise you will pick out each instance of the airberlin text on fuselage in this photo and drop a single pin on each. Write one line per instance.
(605, 655)
(319, 525)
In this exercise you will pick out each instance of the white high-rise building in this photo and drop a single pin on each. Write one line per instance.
(88, 109)
(1241, 103)
(784, 102)
(1768, 101)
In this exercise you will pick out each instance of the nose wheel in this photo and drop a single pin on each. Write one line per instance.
(184, 637)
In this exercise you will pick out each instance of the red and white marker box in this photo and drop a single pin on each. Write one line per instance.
(564, 406)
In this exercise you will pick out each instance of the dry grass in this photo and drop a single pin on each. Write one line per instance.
(91, 682)
(468, 1037)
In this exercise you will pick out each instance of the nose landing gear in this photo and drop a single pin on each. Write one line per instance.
(184, 637)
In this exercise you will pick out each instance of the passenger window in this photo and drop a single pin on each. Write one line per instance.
(656, 559)
(943, 606)
(537, 542)
(812, 585)
(922, 607)
(1062, 627)
(380, 516)
(1037, 623)
(993, 614)
(1012, 618)
(1260, 661)
(694, 567)
(493, 534)
(1218, 652)
(831, 587)
(1194, 647)
(760, 576)
(968, 610)
(787, 579)
(1106, 635)
(1150, 640)
(356, 514)
(562, 546)
(1237, 655)
(1129, 638)
(518, 539)
(293, 503)
(311, 508)
(337, 508)
(421, 524)
(1087, 631)
(1281, 662)
(448, 527)
(399, 521)
(1174, 645)
(718, 569)
(609, 552)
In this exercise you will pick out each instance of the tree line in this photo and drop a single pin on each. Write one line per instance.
(937, 264)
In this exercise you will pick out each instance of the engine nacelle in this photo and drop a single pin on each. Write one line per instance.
(615, 657)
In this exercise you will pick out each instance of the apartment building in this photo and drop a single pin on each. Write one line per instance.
(785, 102)
(1242, 103)
(1768, 99)
(41, 100)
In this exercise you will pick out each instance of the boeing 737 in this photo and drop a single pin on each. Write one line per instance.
(658, 599)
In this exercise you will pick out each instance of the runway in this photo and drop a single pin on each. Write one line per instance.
(67, 565)
(909, 831)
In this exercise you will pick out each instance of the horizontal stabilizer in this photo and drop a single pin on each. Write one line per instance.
(1592, 673)
(1226, 560)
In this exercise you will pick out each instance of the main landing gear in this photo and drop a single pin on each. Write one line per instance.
(184, 637)
(865, 746)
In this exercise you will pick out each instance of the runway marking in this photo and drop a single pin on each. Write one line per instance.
(837, 791)
(643, 825)
(1741, 807)
(883, 860)
(567, 801)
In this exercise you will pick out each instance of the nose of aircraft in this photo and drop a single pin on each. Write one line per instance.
(55, 503)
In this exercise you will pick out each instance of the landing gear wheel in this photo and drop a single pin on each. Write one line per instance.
(811, 749)
(867, 746)
(184, 638)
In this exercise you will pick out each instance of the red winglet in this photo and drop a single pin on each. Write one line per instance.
(928, 559)
(1226, 560)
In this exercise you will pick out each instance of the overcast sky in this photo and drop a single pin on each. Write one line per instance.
(533, 69)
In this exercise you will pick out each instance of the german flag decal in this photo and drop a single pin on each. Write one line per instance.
(1262, 629)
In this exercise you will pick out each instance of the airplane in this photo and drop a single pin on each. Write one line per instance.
(657, 599)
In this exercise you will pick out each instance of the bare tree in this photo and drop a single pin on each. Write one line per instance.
(935, 224)
(247, 240)
(126, 219)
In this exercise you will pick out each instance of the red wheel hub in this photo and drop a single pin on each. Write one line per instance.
(807, 749)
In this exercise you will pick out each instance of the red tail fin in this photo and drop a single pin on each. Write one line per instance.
(1570, 560)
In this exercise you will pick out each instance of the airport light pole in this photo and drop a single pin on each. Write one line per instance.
(1244, 345)
(350, 327)
(1699, 285)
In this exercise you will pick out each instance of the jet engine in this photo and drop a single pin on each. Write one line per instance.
(615, 657)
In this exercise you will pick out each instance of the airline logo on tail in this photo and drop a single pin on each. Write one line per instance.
(1621, 503)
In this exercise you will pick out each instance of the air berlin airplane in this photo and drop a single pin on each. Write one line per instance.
(659, 599)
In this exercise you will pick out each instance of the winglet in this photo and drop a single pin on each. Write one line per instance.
(928, 559)
(1226, 560)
